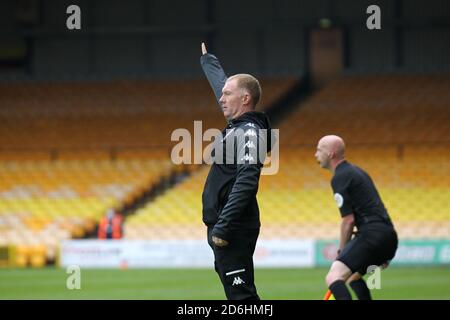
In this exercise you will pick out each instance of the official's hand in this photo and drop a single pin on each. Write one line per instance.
(219, 242)
(204, 48)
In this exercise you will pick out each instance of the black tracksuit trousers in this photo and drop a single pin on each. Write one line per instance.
(234, 264)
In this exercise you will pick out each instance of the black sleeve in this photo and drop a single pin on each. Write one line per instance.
(341, 184)
(248, 142)
(214, 73)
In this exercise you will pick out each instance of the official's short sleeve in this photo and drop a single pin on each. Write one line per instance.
(341, 184)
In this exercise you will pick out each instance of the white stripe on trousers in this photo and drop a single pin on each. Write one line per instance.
(235, 271)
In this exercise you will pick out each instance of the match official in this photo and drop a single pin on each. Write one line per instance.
(360, 205)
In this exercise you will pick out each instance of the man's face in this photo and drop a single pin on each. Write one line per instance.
(232, 99)
(323, 155)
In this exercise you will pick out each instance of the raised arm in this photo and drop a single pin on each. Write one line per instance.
(213, 71)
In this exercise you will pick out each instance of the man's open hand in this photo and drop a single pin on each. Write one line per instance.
(204, 48)
(219, 242)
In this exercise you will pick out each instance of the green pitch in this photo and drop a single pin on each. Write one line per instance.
(287, 284)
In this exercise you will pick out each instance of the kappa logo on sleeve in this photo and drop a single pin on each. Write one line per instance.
(252, 141)
(247, 157)
(250, 133)
(250, 145)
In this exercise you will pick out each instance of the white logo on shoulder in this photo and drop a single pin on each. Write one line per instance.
(250, 133)
(339, 199)
(250, 124)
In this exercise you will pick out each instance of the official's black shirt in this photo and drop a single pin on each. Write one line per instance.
(355, 192)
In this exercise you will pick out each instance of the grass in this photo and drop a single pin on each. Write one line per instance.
(193, 284)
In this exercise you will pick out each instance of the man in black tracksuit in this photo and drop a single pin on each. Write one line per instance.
(360, 205)
(230, 209)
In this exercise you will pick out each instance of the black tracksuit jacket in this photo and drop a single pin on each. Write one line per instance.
(229, 196)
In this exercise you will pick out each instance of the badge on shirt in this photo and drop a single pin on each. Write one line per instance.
(339, 200)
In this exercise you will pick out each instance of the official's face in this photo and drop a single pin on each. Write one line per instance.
(232, 99)
(322, 155)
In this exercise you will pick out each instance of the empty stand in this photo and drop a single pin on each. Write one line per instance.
(396, 128)
(71, 151)
(38, 198)
(62, 168)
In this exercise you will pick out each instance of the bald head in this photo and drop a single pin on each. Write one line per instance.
(333, 144)
(330, 151)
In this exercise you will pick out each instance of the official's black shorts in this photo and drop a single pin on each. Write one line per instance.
(234, 264)
(374, 245)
